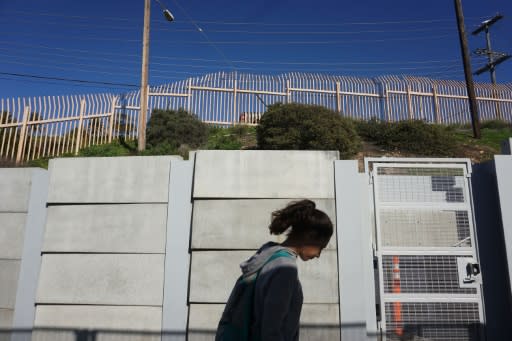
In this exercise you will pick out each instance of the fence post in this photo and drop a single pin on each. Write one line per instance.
(21, 142)
(388, 109)
(189, 98)
(436, 104)
(111, 122)
(288, 92)
(80, 123)
(409, 102)
(496, 103)
(338, 97)
(234, 118)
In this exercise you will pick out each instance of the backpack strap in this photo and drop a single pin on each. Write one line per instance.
(249, 307)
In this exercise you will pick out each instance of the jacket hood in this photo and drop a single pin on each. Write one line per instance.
(258, 260)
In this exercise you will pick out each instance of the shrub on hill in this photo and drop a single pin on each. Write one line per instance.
(174, 129)
(412, 136)
(496, 124)
(223, 138)
(306, 127)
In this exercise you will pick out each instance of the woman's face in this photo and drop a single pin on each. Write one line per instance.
(308, 252)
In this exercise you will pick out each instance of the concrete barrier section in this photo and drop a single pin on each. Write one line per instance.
(9, 272)
(6, 318)
(317, 320)
(129, 228)
(243, 224)
(12, 232)
(15, 185)
(264, 174)
(110, 180)
(99, 317)
(114, 279)
(213, 275)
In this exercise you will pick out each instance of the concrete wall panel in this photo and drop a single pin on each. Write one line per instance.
(213, 275)
(6, 318)
(9, 272)
(264, 174)
(99, 317)
(110, 180)
(109, 279)
(243, 224)
(12, 228)
(106, 228)
(15, 185)
(318, 321)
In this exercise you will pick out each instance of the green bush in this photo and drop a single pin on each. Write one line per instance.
(116, 148)
(306, 127)
(374, 130)
(496, 124)
(413, 136)
(223, 138)
(174, 129)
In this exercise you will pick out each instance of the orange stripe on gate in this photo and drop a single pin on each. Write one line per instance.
(397, 306)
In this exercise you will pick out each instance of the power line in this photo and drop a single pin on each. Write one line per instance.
(396, 22)
(311, 42)
(333, 68)
(131, 27)
(200, 30)
(66, 79)
(165, 72)
(39, 81)
(88, 53)
(384, 22)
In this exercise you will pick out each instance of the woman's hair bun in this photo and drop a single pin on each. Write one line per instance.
(294, 214)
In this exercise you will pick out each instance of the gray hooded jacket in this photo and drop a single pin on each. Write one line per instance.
(278, 294)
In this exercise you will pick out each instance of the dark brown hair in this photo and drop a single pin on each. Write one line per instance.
(309, 225)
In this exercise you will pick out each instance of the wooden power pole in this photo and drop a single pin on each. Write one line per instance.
(144, 78)
(473, 106)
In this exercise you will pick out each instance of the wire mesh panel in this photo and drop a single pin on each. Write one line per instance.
(420, 227)
(428, 185)
(433, 321)
(424, 230)
(423, 274)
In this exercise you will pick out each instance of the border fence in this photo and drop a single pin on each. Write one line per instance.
(50, 126)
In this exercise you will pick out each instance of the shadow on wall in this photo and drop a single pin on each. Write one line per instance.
(348, 332)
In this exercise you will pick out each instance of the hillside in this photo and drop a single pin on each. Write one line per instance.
(244, 137)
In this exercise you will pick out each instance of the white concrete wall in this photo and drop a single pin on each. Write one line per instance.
(15, 186)
(243, 222)
(235, 193)
(264, 174)
(104, 244)
(205, 317)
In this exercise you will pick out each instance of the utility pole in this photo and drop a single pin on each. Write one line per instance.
(473, 106)
(491, 61)
(491, 55)
(144, 78)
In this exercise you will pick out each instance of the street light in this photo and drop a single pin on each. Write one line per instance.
(145, 70)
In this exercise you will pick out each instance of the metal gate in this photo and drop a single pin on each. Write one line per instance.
(429, 277)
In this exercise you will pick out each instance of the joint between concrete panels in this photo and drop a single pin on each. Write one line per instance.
(177, 258)
(24, 311)
(356, 292)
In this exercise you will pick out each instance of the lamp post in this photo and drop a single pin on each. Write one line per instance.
(145, 70)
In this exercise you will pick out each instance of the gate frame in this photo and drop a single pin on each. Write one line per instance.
(465, 164)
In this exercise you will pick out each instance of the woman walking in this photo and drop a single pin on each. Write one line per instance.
(266, 302)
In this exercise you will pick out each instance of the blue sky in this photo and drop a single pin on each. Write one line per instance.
(100, 41)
